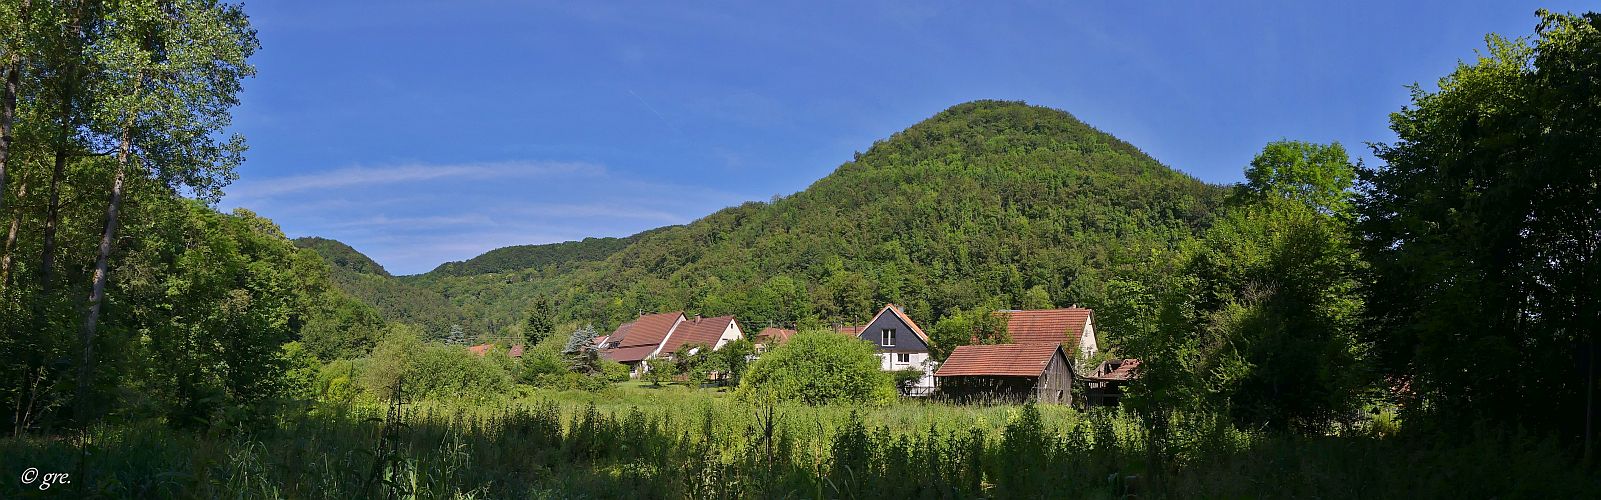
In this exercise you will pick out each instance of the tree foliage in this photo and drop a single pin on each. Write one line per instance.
(1483, 226)
(818, 367)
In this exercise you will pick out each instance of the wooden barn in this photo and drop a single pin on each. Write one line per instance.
(1007, 373)
(1104, 385)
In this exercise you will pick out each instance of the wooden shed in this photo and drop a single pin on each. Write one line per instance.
(1007, 373)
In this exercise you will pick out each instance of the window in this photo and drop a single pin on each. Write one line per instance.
(886, 337)
(903, 358)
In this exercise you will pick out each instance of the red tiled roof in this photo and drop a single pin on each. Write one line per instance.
(619, 335)
(480, 349)
(650, 329)
(628, 354)
(1003, 360)
(516, 351)
(697, 331)
(1116, 369)
(1048, 326)
(773, 334)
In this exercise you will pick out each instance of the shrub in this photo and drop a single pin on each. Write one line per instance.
(818, 368)
(614, 371)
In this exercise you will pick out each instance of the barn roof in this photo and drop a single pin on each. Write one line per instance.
(1115, 370)
(1002, 360)
(1048, 326)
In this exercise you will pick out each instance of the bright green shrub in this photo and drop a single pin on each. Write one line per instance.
(818, 368)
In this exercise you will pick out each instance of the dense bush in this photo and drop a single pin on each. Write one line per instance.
(818, 367)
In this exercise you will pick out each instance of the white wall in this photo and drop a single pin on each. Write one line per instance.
(730, 334)
(888, 362)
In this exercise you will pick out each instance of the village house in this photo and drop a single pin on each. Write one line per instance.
(660, 335)
(1007, 373)
(901, 345)
(1072, 328)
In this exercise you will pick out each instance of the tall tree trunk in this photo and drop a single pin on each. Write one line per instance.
(97, 292)
(69, 74)
(11, 240)
(8, 99)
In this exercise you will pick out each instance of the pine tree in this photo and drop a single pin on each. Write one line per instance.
(540, 324)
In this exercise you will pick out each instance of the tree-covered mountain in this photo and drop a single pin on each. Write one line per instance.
(517, 257)
(981, 204)
(342, 256)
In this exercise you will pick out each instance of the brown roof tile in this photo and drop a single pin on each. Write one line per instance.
(650, 329)
(697, 331)
(1048, 326)
(774, 335)
(628, 354)
(1005, 360)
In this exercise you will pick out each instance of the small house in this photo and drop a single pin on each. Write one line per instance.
(901, 345)
(660, 335)
(1007, 373)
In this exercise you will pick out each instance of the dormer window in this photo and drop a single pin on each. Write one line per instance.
(886, 337)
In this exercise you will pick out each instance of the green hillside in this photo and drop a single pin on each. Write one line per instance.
(517, 257)
(987, 201)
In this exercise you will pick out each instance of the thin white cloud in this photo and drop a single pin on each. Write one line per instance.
(369, 176)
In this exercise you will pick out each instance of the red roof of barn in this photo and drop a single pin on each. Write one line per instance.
(1003, 360)
(1048, 326)
(697, 331)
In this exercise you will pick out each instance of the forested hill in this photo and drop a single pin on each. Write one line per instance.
(986, 203)
(342, 256)
(517, 257)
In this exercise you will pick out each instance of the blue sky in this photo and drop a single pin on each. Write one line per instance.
(424, 132)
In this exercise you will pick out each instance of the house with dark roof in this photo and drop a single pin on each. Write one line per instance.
(1007, 373)
(1072, 328)
(660, 335)
(901, 345)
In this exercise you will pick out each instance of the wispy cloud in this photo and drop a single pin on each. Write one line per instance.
(372, 176)
(413, 216)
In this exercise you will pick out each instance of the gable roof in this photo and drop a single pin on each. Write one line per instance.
(1001, 360)
(773, 334)
(1048, 326)
(1115, 370)
(629, 354)
(650, 329)
(896, 310)
(697, 331)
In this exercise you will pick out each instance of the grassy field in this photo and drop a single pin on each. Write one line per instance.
(677, 442)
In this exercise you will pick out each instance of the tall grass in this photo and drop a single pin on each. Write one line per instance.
(686, 443)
